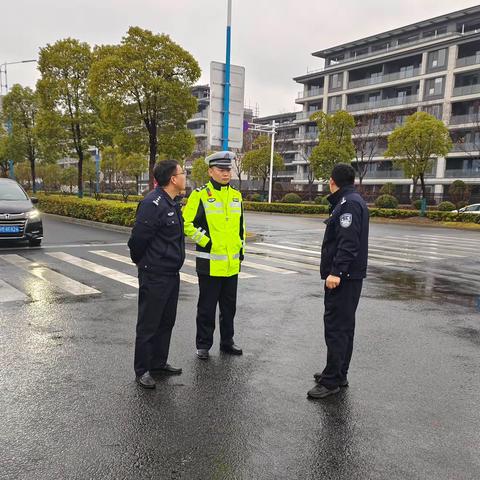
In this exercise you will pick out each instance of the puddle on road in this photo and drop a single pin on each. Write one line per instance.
(400, 285)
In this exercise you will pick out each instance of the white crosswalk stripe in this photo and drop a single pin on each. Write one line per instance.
(57, 279)
(192, 263)
(10, 294)
(95, 268)
(257, 266)
(124, 259)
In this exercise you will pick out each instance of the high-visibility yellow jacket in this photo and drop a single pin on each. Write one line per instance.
(213, 219)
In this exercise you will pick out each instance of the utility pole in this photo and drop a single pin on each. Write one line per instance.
(270, 130)
(3, 71)
(226, 96)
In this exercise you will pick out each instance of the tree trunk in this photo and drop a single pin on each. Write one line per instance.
(263, 185)
(80, 173)
(153, 144)
(32, 171)
(424, 189)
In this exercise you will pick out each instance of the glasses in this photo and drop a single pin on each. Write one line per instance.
(181, 173)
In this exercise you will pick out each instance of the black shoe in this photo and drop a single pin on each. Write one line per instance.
(167, 369)
(320, 391)
(318, 378)
(202, 353)
(146, 381)
(231, 349)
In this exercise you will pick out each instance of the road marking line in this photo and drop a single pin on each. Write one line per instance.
(10, 294)
(283, 254)
(285, 247)
(433, 241)
(55, 278)
(269, 258)
(95, 268)
(258, 266)
(415, 243)
(124, 259)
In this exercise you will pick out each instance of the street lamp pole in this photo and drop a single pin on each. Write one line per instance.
(226, 95)
(3, 70)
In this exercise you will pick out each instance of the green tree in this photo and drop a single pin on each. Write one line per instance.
(23, 174)
(20, 107)
(90, 173)
(413, 145)
(459, 193)
(5, 151)
(256, 162)
(109, 164)
(200, 172)
(152, 74)
(64, 68)
(335, 143)
(130, 167)
(69, 176)
(51, 174)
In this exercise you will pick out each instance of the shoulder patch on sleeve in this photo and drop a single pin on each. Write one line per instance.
(157, 200)
(346, 220)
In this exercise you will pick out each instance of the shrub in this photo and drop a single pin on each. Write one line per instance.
(105, 211)
(388, 189)
(255, 197)
(291, 198)
(386, 201)
(322, 200)
(446, 207)
(417, 204)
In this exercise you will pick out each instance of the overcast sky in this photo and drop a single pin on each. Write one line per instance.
(273, 39)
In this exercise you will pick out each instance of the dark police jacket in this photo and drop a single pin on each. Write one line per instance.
(157, 243)
(345, 243)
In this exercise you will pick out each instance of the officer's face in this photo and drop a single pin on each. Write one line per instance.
(332, 185)
(220, 175)
(179, 179)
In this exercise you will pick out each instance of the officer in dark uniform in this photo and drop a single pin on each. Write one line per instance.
(157, 247)
(343, 266)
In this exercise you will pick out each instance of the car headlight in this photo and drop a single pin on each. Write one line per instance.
(33, 214)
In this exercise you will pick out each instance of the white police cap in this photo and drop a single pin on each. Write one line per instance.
(220, 159)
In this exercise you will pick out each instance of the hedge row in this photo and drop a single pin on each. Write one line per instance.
(105, 211)
(374, 212)
(120, 213)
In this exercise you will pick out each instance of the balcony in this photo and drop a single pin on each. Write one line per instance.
(306, 136)
(198, 131)
(199, 116)
(466, 90)
(472, 173)
(386, 102)
(466, 61)
(385, 174)
(462, 119)
(390, 77)
(305, 115)
(465, 147)
(285, 173)
(395, 48)
(312, 92)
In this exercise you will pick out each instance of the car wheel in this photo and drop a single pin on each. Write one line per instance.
(34, 243)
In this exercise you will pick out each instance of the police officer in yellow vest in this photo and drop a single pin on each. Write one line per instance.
(214, 221)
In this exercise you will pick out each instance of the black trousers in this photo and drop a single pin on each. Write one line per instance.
(213, 290)
(339, 319)
(157, 310)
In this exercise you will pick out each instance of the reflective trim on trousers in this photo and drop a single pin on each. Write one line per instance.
(211, 256)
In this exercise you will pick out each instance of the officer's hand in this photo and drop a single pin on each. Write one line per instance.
(332, 282)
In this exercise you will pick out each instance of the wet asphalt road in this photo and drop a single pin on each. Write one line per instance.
(70, 408)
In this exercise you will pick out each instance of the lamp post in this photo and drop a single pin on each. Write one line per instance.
(226, 95)
(3, 71)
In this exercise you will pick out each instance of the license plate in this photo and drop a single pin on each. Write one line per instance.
(8, 229)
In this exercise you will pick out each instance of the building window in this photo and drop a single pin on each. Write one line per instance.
(336, 81)
(434, 87)
(437, 60)
(334, 103)
(435, 110)
(379, 47)
(435, 33)
(409, 39)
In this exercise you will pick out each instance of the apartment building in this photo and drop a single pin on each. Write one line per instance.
(431, 66)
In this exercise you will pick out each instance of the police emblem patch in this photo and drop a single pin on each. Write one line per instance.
(346, 220)
(235, 199)
(170, 214)
(211, 200)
